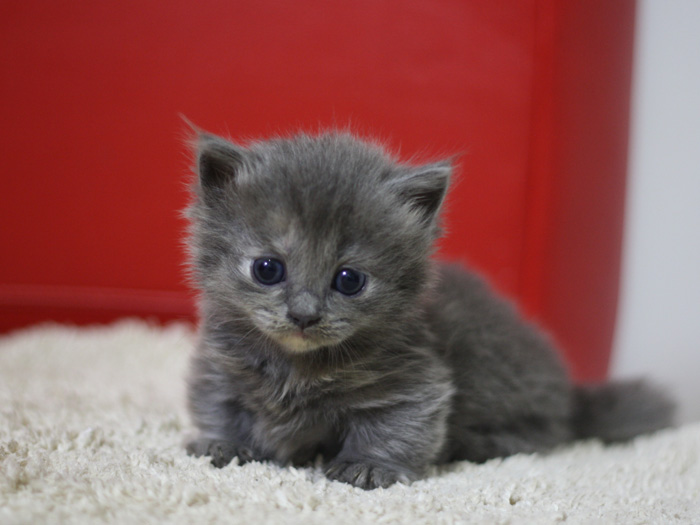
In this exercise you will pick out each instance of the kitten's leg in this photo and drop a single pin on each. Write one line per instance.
(224, 426)
(385, 446)
(222, 452)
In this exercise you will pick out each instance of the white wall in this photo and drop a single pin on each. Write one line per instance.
(659, 321)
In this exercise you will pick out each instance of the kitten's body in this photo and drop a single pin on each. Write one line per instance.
(422, 365)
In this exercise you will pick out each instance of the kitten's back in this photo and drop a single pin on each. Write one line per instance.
(509, 375)
(513, 393)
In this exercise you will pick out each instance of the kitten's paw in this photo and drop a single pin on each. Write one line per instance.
(365, 475)
(221, 452)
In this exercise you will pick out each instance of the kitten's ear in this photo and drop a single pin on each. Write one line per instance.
(424, 187)
(218, 161)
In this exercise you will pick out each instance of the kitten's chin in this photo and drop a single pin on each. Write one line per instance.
(297, 343)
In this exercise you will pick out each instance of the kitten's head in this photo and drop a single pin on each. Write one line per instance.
(312, 241)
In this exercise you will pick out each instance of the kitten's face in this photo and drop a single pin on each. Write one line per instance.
(312, 241)
(302, 299)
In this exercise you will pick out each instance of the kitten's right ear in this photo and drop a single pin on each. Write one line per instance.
(218, 161)
(424, 188)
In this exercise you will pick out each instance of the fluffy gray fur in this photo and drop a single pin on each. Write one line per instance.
(424, 365)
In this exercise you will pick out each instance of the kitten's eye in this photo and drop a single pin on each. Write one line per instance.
(348, 281)
(268, 271)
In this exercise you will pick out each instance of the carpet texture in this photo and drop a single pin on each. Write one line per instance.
(92, 423)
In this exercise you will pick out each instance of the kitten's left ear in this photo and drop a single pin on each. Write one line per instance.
(424, 187)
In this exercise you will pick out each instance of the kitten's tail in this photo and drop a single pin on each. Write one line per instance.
(619, 411)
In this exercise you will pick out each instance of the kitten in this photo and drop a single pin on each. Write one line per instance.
(327, 328)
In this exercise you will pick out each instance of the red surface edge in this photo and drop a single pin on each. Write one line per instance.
(572, 252)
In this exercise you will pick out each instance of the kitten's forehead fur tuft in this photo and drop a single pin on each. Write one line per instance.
(319, 179)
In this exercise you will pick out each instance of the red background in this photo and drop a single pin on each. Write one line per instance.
(534, 96)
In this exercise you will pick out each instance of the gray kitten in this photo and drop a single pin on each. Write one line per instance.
(327, 328)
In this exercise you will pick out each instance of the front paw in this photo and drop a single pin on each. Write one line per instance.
(365, 475)
(221, 452)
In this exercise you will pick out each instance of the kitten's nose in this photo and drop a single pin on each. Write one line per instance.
(303, 321)
(303, 309)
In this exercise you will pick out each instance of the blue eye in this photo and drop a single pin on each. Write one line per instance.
(348, 281)
(268, 271)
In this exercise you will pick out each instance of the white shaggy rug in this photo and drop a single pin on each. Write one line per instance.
(92, 422)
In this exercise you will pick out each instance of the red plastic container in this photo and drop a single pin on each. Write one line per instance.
(534, 96)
